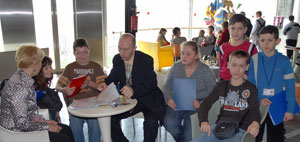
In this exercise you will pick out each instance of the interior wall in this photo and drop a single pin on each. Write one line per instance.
(17, 23)
(88, 19)
(8, 63)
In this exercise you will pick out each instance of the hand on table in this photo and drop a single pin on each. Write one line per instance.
(127, 91)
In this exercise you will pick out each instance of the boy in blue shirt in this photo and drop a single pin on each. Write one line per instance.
(275, 73)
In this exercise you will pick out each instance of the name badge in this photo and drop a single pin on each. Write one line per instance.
(269, 92)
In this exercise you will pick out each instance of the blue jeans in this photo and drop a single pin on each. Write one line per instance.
(203, 137)
(76, 124)
(173, 123)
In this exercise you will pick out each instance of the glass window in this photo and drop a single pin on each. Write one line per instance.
(115, 27)
(65, 25)
(284, 8)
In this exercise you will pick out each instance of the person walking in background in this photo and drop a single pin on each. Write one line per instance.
(259, 24)
(225, 34)
(200, 38)
(18, 99)
(291, 30)
(249, 26)
(176, 37)
(82, 66)
(175, 42)
(210, 41)
(161, 39)
(49, 98)
(210, 38)
(192, 68)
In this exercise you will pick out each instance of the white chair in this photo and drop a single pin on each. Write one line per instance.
(35, 136)
(212, 118)
(263, 114)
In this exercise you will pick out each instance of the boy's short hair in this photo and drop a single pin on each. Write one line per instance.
(291, 18)
(240, 54)
(211, 27)
(80, 43)
(238, 18)
(270, 30)
(175, 30)
(259, 13)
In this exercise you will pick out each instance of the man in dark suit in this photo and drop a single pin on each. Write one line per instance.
(133, 70)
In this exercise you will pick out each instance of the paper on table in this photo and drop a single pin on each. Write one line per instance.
(107, 97)
(84, 103)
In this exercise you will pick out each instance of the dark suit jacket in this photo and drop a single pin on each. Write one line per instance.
(144, 82)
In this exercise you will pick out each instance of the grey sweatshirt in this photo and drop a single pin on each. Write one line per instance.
(205, 80)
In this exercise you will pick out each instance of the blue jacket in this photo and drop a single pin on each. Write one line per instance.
(283, 76)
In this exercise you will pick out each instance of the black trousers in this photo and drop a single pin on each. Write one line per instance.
(150, 124)
(65, 134)
(274, 133)
(293, 43)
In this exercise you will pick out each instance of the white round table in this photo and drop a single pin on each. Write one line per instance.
(103, 114)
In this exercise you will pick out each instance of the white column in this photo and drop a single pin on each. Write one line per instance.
(296, 10)
(190, 19)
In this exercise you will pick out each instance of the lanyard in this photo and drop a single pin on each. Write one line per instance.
(269, 80)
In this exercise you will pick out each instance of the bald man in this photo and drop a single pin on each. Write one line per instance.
(133, 70)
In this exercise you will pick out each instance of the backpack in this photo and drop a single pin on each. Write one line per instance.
(289, 28)
(261, 26)
(2, 84)
(249, 26)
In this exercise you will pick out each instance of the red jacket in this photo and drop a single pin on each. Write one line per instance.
(224, 37)
(224, 52)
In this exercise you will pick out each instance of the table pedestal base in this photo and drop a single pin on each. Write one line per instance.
(104, 123)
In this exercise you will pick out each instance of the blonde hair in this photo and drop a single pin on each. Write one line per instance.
(28, 55)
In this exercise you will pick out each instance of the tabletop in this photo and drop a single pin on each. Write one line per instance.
(103, 111)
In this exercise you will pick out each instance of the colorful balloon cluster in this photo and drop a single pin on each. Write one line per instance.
(218, 12)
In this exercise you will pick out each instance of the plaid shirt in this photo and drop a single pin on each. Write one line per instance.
(18, 104)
